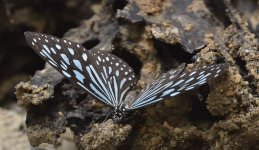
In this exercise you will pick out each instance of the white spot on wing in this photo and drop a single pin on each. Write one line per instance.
(189, 80)
(58, 46)
(117, 73)
(53, 50)
(189, 88)
(42, 54)
(192, 73)
(64, 65)
(65, 58)
(167, 92)
(47, 54)
(122, 82)
(201, 72)
(46, 48)
(66, 74)
(182, 75)
(78, 64)
(84, 57)
(79, 76)
(71, 51)
(51, 62)
(110, 70)
(175, 93)
(177, 83)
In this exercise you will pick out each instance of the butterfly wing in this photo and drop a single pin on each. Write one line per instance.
(116, 74)
(172, 73)
(82, 67)
(171, 85)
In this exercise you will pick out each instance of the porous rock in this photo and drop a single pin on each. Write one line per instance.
(106, 135)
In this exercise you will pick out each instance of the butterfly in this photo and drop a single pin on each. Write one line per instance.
(109, 79)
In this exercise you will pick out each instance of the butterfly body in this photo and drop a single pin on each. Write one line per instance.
(109, 79)
(119, 113)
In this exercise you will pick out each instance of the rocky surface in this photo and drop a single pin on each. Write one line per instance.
(12, 129)
(152, 36)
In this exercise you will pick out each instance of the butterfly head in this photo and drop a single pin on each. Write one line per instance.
(119, 113)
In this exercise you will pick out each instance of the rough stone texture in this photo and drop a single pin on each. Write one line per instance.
(236, 132)
(130, 13)
(153, 37)
(106, 135)
(32, 94)
(150, 6)
(244, 48)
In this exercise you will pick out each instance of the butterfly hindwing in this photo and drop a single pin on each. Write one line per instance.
(81, 66)
(171, 85)
(116, 74)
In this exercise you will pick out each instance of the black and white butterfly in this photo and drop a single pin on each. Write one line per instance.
(109, 79)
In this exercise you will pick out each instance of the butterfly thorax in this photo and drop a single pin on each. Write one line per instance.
(119, 114)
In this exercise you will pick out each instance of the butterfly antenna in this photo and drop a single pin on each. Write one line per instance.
(107, 116)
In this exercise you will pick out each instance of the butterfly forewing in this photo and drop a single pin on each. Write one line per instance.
(153, 88)
(172, 73)
(172, 85)
(78, 65)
